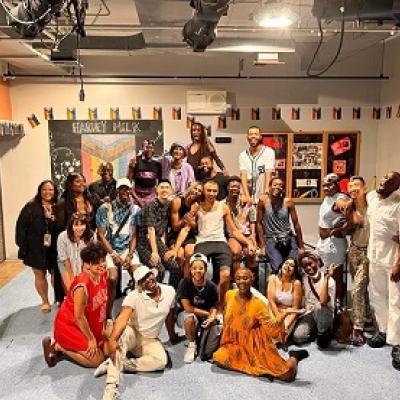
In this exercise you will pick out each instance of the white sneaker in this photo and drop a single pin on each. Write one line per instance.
(190, 353)
(102, 368)
(111, 392)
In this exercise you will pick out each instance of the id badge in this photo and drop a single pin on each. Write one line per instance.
(47, 240)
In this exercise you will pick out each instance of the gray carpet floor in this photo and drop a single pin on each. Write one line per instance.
(340, 373)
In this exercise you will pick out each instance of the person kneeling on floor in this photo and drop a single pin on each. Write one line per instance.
(319, 300)
(137, 329)
(197, 303)
(79, 323)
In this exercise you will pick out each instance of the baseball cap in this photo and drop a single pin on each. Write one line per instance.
(142, 271)
(198, 257)
(124, 182)
(177, 144)
(330, 178)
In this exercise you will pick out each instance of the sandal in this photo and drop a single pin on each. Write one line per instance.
(45, 308)
(357, 338)
(49, 352)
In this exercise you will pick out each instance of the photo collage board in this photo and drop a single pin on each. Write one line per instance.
(302, 159)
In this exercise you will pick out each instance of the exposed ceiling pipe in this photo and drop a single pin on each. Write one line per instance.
(222, 28)
(174, 79)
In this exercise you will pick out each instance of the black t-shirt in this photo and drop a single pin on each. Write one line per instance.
(204, 297)
(222, 182)
(147, 172)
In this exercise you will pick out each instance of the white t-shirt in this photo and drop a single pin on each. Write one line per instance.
(149, 315)
(310, 301)
(384, 222)
(256, 168)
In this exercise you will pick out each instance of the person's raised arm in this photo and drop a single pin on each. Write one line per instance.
(214, 155)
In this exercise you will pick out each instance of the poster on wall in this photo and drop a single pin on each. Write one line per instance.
(307, 165)
(81, 145)
(342, 156)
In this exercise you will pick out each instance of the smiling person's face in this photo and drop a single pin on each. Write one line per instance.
(178, 153)
(210, 191)
(78, 185)
(277, 188)
(356, 189)
(47, 192)
(78, 228)
(194, 193)
(254, 137)
(149, 283)
(288, 268)
(310, 266)
(244, 280)
(198, 270)
(388, 184)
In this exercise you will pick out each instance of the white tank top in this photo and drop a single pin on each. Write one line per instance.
(211, 224)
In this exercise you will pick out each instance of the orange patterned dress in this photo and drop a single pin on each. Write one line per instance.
(246, 342)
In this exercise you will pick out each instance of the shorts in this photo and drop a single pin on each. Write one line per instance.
(110, 263)
(219, 252)
(183, 316)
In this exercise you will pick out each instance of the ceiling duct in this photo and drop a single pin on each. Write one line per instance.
(358, 10)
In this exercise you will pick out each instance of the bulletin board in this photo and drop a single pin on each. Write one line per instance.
(342, 155)
(302, 159)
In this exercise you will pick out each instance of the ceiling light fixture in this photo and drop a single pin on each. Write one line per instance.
(274, 14)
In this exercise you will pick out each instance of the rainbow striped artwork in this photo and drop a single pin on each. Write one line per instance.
(117, 149)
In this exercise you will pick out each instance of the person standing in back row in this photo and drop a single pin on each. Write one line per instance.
(256, 165)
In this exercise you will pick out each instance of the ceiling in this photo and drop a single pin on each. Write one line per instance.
(143, 38)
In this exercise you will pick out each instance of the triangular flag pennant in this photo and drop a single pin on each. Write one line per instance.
(176, 113)
(356, 112)
(276, 113)
(136, 113)
(255, 114)
(157, 113)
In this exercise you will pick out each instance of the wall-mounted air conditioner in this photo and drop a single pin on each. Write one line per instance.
(206, 102)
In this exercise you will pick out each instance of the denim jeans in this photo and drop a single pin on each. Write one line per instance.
(276, 256)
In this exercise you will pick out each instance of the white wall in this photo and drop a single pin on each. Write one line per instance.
(24, 164)
(389, 129)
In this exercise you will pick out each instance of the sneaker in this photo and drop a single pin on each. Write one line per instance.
(396, 357)
(190, 353)
(102, 368)
(378, 340)
(111, 392)
(299, 354)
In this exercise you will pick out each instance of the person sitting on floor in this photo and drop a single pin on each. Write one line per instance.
(197, 303)
(79, 323)
(247, 342)
(137, 330)
(180, 215)
(116, 230)
(69, 245)
(285, 291)
(319, 302)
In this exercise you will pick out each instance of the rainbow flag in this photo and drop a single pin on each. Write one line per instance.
(92, 113)
(48, 113)
(189, 122)
(114, 113)
(276, 114)
(33, 121)
(176, 113)
(255, 114)
(157, 113)
(221, 122)
(71, 113)
(136, 113)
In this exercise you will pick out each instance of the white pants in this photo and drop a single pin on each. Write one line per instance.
(385, 298)
(110, 263)
(150, 353)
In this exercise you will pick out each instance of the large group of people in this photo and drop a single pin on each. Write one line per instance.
(177, 216)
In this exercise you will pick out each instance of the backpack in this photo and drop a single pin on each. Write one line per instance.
(208, 341)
